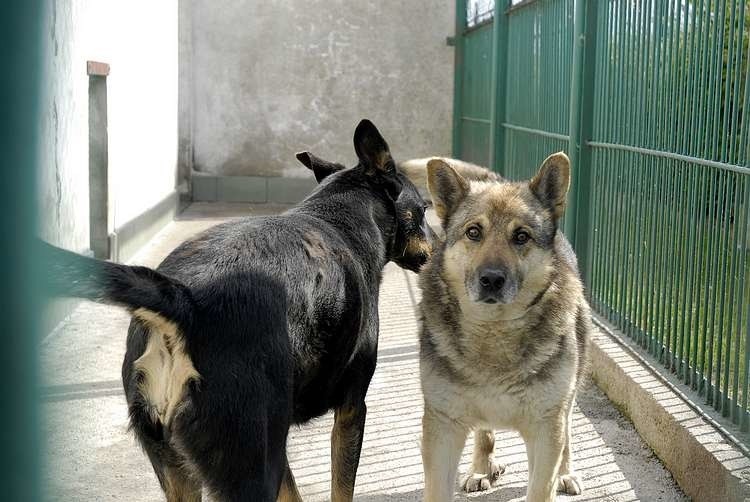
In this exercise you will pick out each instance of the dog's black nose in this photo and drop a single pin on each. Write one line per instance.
(492, 280)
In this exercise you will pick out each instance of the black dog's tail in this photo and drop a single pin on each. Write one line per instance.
(132, 287)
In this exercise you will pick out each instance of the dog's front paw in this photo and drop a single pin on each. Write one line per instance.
(477, 482)
(570, 483)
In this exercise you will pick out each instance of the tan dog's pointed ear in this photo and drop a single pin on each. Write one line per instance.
(447, 187)
(551, 183)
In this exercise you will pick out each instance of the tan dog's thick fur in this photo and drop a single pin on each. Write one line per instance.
(416, 170)
(504, 328)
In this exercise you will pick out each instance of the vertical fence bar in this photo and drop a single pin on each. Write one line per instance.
(743, 185)
(697, 79)
(458, 75)
(612, 117)
(499, 80)
(578, 216)
(744, 291)
(731, 247)
(20, 39)
(641, 76)
(729, 155)
(622, 181)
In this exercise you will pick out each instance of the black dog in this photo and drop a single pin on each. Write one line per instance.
(259, 324)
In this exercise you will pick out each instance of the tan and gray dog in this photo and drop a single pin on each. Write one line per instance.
(504, 327)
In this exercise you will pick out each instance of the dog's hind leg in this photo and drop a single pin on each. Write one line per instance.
(346, 446)
(484, 472)
(241, 463)
(288, 491)
(568, 480)
(442, 442)
(177, 483)
(179, 487)
(168, 463)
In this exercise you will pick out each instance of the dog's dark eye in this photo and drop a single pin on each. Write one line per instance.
(521, 237)
(474, 233)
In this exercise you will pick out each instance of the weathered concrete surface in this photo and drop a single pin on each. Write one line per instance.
(273, 78)
(93, 457)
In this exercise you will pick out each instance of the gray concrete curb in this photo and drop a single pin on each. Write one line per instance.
(706, 465)
(131, 236)
(254, 189)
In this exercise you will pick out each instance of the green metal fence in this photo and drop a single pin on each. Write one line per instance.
(474, 90)
(540, 57)
(651, 99)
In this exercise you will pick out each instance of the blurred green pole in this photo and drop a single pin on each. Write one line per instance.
(578, 212)
(21, 37)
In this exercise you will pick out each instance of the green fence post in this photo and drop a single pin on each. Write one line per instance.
(458, 74)
(20, 39)
(499, 79)
(577, 217)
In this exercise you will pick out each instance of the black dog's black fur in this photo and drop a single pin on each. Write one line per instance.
(279, 316)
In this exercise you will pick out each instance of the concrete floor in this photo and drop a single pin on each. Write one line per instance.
(92, 457)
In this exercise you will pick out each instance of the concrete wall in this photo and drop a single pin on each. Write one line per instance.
(270, 78)
(139, 39)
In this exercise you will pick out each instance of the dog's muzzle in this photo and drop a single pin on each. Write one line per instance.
(417, 253)
(493, 285)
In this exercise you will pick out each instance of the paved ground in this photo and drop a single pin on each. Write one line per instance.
(92, 457)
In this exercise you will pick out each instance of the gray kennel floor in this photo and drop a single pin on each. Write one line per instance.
(92, 457)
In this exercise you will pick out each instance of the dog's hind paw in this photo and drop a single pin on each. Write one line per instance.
(478, 482)
(571, 483)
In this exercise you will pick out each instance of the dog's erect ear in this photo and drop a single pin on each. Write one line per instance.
(371, 148)
(447, 187)
(551, 183)
(320, 167)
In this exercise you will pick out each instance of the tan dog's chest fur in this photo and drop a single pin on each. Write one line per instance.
(498, 384)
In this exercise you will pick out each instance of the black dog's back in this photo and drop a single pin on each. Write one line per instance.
(320, 280)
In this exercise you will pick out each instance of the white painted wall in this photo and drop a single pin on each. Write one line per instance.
(138, 39)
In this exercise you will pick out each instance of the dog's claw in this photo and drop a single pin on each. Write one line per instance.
(495, 471)
(572, 484)
(480, 482)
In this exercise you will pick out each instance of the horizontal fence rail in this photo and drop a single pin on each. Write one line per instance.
(655, 112)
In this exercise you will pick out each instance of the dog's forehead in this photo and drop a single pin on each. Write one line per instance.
(409, 199)
(409, 195)
(502, 202)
